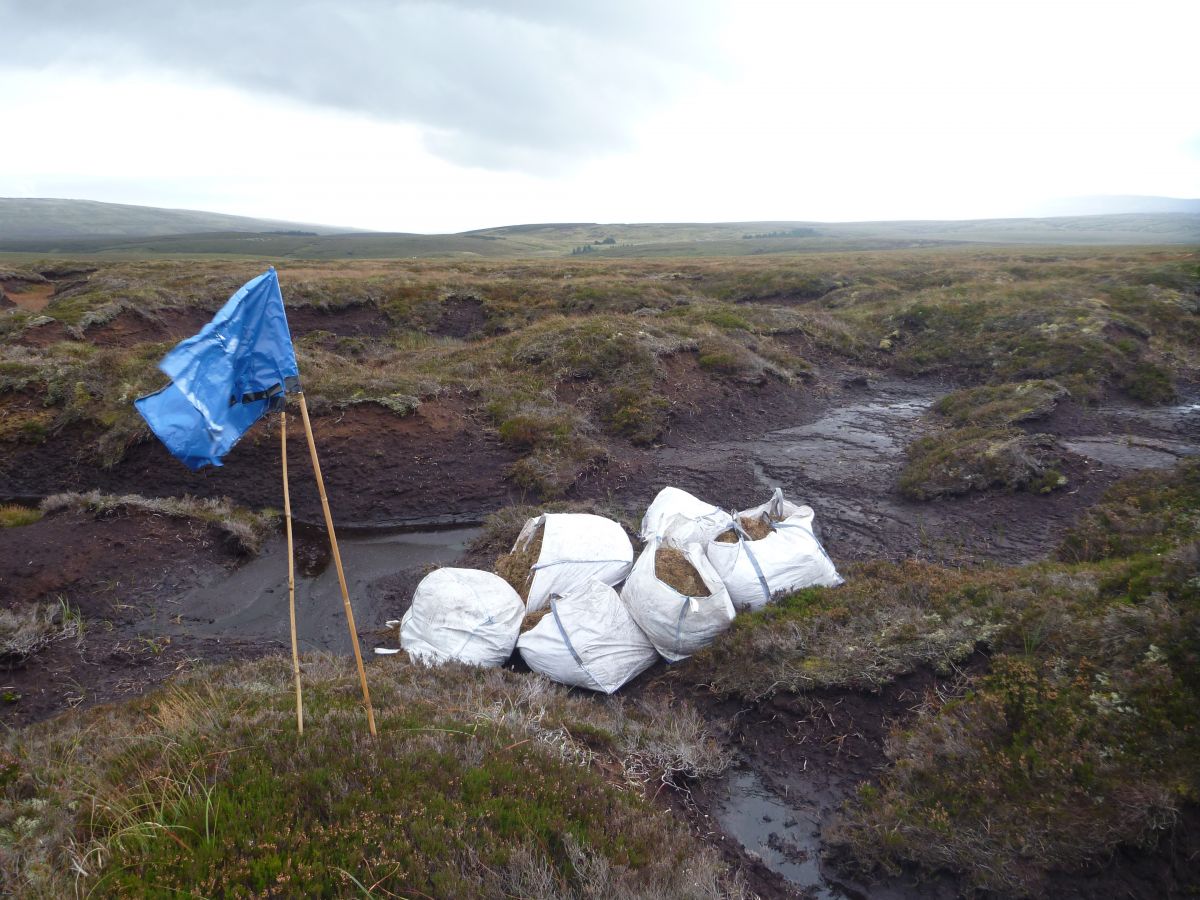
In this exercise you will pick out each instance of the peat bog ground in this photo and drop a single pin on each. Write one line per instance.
(998, 444)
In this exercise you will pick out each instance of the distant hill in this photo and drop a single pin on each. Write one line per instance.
(212, 234)
(33, 218)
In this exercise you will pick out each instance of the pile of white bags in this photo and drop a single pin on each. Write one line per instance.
(576, 548)
(588, 639)
(464, 615)
(592, 636)
(787, 559)
(677, 625)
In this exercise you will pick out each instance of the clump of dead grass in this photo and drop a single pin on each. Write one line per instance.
(516, 566)
(28, 631)
(755, 528)
(673, 568)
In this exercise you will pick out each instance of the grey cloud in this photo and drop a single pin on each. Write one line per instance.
(523, 84)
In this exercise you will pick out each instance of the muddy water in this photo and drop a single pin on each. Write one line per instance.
(251, 604)
(783, 835)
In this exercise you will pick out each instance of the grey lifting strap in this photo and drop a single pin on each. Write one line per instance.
(744, 540)
(562, 631)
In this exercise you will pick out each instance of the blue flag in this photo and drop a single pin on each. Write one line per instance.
(225, 378)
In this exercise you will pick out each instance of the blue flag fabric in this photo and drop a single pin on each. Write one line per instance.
(225, 378)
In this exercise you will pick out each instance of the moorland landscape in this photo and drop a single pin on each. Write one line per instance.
(1000, 438)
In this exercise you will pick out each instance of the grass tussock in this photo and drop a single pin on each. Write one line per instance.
(28, 631)
(248, 529)
(14, 515)
(961, 460)
(1001, 404)
(482, 783)
(1082, 734)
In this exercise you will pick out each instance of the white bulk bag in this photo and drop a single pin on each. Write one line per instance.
(788, 559)
(576, 547)
(672, 501)
(589, 640)
(462, 614)
(677, 625)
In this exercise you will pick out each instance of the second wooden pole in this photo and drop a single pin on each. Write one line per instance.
(337, 562)
(287, 512)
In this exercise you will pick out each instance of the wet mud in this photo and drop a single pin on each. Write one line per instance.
(381, 570)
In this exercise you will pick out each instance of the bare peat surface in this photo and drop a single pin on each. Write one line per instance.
(110, 572)
(799, 759)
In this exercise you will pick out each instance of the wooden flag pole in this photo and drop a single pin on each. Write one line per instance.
(337, 562)
(287, 512)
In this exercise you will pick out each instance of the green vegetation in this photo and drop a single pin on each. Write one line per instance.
(1082, 733)
(1001, 404)
(13, 515)
(1144, 514)
(247, 529)
(482, 783)
(961, 460)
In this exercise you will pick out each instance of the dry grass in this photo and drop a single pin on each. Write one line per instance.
(26, 632)
(531, 619)
(516, 566)
(671, 567)
(13, 515)
(755, 529)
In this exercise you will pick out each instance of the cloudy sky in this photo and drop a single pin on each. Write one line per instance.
(445, 116)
